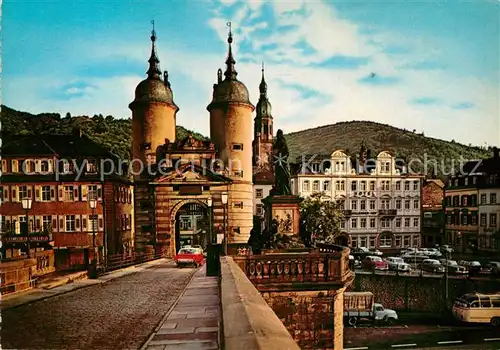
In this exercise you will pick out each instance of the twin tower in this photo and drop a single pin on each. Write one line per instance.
(154, 120)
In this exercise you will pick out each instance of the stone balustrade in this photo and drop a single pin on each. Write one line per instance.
(279, 271)
(44, 263)
(247, 320)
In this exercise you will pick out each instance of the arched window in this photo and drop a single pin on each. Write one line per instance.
(385, 240)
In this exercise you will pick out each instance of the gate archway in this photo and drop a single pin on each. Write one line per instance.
(191, 225)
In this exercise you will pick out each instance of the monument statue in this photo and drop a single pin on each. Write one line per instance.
(281, 168)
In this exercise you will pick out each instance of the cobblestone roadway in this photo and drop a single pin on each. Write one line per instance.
(118, 314)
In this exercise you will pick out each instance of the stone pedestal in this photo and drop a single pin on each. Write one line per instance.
(286, 211)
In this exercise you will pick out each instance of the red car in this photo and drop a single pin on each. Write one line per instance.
(189, 256)
(375, 263)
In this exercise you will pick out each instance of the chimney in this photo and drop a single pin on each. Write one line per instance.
(495, 152)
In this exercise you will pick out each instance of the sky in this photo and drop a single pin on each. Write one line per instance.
(428, 66)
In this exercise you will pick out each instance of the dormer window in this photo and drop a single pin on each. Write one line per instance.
(44, 166)
(91, 165)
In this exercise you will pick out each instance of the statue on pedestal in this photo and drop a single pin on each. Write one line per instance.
(282, 185)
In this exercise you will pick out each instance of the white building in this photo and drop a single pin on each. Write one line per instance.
(489, 215)
(263, 183)
(382, 205)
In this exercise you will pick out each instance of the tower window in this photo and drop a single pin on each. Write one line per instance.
(145, 146)
(238, 173)
(238, 146)
(238, 205)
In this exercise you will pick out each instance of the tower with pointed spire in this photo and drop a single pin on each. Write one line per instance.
(153, 111)
(231, 132)
(263, 129)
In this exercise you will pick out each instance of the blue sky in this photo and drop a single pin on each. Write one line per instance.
(428, 66)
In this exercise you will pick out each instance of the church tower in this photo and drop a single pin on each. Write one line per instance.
(263, 129)
(231, 132)
(153, 112)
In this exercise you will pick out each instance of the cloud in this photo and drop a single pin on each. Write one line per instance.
(426, 101)
(463, 105)
(425, 65)
(375, 79)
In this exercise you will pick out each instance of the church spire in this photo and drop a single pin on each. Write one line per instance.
(263, 84)
(230, 72)
(154, 71)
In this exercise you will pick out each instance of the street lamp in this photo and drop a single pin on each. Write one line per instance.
(224, 198)
(209, 205)
(26, 202)
(93, 206)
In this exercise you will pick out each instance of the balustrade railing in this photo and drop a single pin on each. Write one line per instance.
(328, 267)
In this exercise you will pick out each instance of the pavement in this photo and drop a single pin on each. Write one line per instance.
(62, 284)
(193, 321)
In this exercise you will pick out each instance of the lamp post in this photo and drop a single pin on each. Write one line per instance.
(27, 202)
(209, 205)
(93, 206)
(224, 198)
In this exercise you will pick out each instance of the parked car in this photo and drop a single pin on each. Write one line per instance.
(375, 252)
(474, 267)
(434, 252)
(432, 265)
(398, 264)
(189, 256)
(454, 267)
(375, 263)
(414, 258)
(494, 267)
(360, 252)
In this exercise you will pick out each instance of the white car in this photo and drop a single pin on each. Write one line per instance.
(397, 264)
(434, 252)
(375, 252)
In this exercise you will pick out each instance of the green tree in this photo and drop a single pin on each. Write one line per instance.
(321, 218)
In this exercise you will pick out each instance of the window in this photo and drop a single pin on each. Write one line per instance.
(474, 180)
(473, 220)
(385, 223)
(362, 205)
(362, 186)
(398, 185)
(493, 220)
(342, 224)
(398, 241)
(483, 199)
(406, 241)
(416, 204)
(258, 193)
(238, 205)
(354, 223)
(385, 185)
(91, 166)
(305, 186)
(398, 204)
(464, 219)
(93, 223)
(415, 185)
(238, 173)
(70, 223)
(372, 185)
(416, 241)
(372, 204)
(354, 186)
(362, 223)
(385, 167)
(466, 181)
(15, 166)
(186, 223)
(342, 185)
(385, 204)
(372, 242)
(315, 186)
(92, 192)
(415, 222)
(407, 222)
(362, 242)
(407, 185)
(373, 222)
(407, 204)
(354, 242)
(398, 222)
(69, 194)
(385, 241)
(464, 201)
(341, 204)
(493, 198)
(326, 185)
(238, 146)
(44, 166)
(483, 220)
(23, 192)
(46, 222)
(45, 193)
(354, 205)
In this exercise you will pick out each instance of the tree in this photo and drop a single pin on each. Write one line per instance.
(321, 218)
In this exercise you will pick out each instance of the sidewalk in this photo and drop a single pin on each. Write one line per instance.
(193, 321)
(61, 285)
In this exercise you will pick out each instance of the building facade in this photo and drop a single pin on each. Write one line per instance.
(61, 174)
(185, 182)
(432, 213)
(382, 205)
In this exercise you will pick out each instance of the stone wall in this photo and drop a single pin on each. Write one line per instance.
(419, 294)
(314, 319)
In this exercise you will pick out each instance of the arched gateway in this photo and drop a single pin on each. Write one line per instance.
(191, 225)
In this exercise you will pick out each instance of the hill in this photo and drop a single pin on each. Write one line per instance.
(402, 143)
(114, 134)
